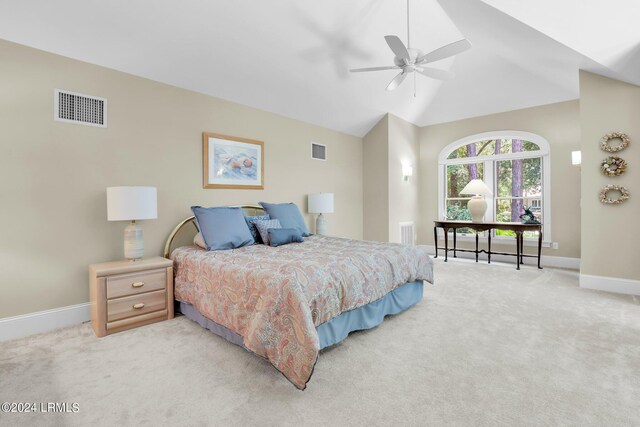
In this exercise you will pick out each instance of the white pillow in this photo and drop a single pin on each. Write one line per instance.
(198, 240)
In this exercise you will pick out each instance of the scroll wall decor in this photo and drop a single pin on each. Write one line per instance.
(614, 166)
(624, 142)
(604, 194)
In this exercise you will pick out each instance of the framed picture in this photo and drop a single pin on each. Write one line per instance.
(231, 162)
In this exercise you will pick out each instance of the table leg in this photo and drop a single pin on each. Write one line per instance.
(522, 248)
(518, 250)
(435, 240)
(446, 244)
(539, 245)
(476, 246)
(455, 243)
(489, 248)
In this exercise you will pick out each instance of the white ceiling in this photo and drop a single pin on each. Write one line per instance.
(291, 57)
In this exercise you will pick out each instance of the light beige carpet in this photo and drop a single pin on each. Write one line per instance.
(488, 345)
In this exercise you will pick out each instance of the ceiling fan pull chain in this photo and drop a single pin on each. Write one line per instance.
(414, 85)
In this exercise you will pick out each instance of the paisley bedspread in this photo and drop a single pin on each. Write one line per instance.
(275, 297)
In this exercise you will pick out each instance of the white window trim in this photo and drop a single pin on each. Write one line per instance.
(544, 153)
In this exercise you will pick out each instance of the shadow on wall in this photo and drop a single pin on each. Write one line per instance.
(337, 44)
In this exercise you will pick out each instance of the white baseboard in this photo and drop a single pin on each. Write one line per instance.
(610, 284)
(43, 321)
(546, 261)
(560, 262)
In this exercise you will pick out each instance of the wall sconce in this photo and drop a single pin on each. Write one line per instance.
(576, 158)
(407, 171)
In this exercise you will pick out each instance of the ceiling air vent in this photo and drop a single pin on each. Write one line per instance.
(82, 109)
(318, 151)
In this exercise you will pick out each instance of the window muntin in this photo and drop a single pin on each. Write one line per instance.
(491, 147)
(518, 185)
(456, 204)
(459, 175)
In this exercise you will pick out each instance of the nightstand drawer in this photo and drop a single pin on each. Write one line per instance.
(131, 284)
(135, 305)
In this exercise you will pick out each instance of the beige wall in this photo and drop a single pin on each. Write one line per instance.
(375, 175)
(54, 174)
(403, 195)
(558, 123)
(388, 199)
(610, 234)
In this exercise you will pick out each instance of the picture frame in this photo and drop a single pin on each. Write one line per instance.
(231, 162)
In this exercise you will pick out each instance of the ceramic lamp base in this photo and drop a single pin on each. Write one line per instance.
(477, 208)
(133, 242)
(321, 225)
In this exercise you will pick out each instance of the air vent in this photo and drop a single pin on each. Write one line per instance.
(81, 109)
(406, 233)
(318, 151)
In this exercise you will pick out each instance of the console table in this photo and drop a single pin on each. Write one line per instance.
(516, 227)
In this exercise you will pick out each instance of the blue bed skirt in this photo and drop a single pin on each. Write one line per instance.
(336, 329)
(370, 315)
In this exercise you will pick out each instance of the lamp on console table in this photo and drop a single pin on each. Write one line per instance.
(320, 203)
(132, 204)
(477, 205)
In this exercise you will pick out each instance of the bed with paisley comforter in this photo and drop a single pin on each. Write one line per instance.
(286, 303)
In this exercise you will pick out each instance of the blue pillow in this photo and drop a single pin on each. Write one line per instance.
(288, 214)
(252, 226)
(223, 227)
(282, 236)
(264, 226)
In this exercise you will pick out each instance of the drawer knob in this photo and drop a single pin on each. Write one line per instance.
(137, 284)
(138, 305)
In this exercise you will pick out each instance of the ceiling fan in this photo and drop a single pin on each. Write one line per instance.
(410, 60)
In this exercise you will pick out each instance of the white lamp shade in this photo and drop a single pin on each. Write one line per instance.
(476, 186)
(320, 203)
(131, 203)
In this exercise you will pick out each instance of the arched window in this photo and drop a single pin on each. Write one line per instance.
(513, 164)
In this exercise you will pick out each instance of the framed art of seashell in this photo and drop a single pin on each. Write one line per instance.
(232, 162)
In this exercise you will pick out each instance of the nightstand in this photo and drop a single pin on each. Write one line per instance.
(128, 294)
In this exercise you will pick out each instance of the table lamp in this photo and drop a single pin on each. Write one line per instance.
(477, 205)
(132, 204)
(320, 203)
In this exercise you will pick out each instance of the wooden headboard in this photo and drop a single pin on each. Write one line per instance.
(249, 210)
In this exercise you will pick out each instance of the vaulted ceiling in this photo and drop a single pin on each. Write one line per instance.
(292, 57)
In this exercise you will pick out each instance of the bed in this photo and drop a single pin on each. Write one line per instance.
(287, 303)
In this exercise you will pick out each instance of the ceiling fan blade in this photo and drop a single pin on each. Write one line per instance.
(359, 70)
(396, 81)
(398, 48)
(434, 73)
(445, 51)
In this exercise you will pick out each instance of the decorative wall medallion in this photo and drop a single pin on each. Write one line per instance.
(623, 137)
(604, 194)
(613, 166)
